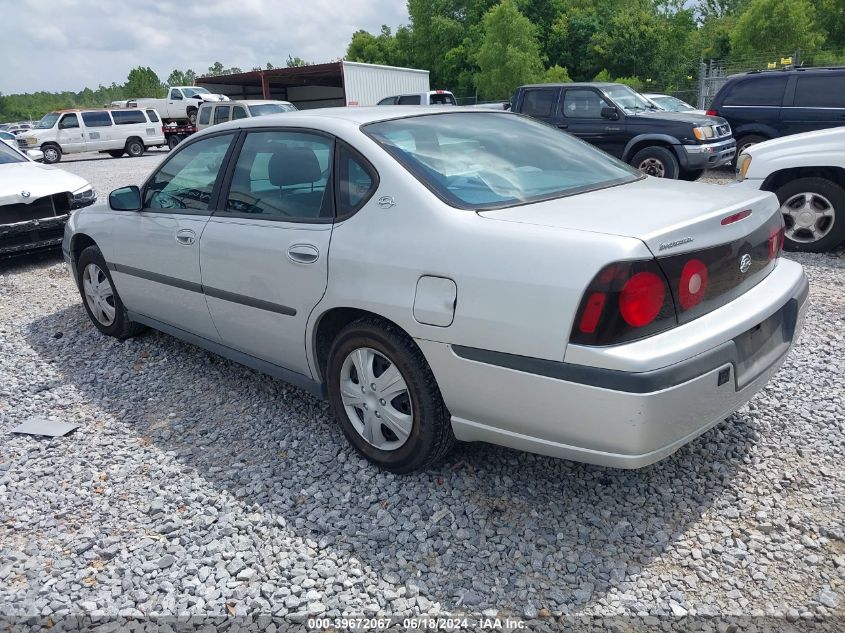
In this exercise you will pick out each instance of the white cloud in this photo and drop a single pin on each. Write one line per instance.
(71, 44)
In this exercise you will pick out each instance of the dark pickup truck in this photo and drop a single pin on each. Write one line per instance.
(619, 120)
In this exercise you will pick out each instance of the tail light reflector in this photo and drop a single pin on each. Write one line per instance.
(592, 312)
(693, 284)
(776, 243)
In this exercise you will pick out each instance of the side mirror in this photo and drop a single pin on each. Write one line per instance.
(610, 113)
(125, 199)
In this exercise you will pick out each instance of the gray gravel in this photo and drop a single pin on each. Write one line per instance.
(195, 486)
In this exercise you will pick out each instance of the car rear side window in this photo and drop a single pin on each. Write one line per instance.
(283, 175)
(238, 112)
(185, 182)
(127, 117)
(356, 180)
(221, 114)
(820, 91)
(759, 91)
(152, 115)
(539, 103)
(96, 119)
(205, 115)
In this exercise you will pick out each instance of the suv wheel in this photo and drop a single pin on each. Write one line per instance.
(385, 398)
(656, 161)
(101, 301)
(814, 214)
(52, 154)
(134, 147)
(690, 175)
(744, 142)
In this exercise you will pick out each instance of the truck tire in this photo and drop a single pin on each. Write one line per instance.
(115, 153)
(52, 153)
(656, 161)
(135, 147)
(173, 140)
(192, 116)
(814, 214)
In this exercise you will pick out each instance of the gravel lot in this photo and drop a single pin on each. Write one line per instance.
(195, 486)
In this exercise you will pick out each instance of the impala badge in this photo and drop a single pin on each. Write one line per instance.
(25, 194)
(744, 263)
(667, 245)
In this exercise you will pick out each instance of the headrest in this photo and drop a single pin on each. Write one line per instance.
(293, 166)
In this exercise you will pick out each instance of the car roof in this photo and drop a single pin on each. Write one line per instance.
(245, 102)
(790, 70)
(576, 84)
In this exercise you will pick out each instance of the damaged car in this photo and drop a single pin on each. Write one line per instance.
(35, 202)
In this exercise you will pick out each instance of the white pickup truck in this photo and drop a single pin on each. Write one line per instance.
(180, 104)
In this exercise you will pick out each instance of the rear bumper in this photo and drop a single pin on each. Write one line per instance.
(611, 417)
(708, 156)
(27, 237)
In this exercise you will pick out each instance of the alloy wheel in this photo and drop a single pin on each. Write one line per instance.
(808, 217)
(99, 294)
(376, 399)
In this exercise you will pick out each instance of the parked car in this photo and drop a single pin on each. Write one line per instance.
(35, 202)
(671, 104)
(452, 273)
(807, 173)
(432, 97)
(492, 105)
(180, 105)
(215, 113)
(763, 105)
(619, 120)
(116, 132)
(9, 139)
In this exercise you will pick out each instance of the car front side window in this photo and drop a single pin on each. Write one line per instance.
(186, 182)
(283, 175)
(69, 121)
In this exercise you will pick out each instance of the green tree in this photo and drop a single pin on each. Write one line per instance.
(509, 53)
(181, 78)
(776, 26)
(556, 75)
(143, 82)
(216, 69)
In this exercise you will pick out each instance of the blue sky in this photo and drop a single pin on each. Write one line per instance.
(58, 45)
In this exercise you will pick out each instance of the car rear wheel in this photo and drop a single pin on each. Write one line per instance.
(100, 298)
(744, 142)
(385, 398)
(690, 175)
(116, 153)
(813, 213)
(135, 147)
(656, 161)
(52, 154)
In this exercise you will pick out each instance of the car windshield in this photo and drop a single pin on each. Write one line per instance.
(48, 121)
(191, 92)
(672, 104)
(9, 155)
(483, 160)
(627, 98)
(270, 108)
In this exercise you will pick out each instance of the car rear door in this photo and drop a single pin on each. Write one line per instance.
(264, 252)
(816, 101)
(155, 260)
(579, 113)
(540, 103)
(753, 105)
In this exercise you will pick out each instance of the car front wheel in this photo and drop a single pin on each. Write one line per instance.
(101, 301)
(656, 161)
(813, 213)
(52, 154)
(385, 398)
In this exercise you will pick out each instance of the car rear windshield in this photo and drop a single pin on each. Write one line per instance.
(270, 108)
(484, 160)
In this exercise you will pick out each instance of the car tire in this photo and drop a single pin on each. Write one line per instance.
(656, 161)
(100, 298)
(744, 142)
(412, 400)
(116, 153)
(812, 200)
(173, 141)
(135, 147)
(690, 175)
(52, 154)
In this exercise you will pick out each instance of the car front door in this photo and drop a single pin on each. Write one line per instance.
(70, 135)
(176, 106)
(264, 252)
(580, 114)
(156, 256)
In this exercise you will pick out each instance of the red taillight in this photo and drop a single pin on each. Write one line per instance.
(693, 284)
(775, 243)
(163, 130)
(592, 312)
(642, 298)
(712, 112)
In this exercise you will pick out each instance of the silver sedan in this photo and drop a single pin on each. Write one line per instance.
(442, 274)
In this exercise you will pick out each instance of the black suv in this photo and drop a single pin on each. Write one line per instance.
(619, 120)
(761, 105)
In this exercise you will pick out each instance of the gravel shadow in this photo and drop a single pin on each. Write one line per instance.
(488, 527)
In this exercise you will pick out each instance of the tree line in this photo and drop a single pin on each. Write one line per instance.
(488, 47)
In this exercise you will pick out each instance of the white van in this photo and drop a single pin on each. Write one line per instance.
(213, 113)
(116, 132)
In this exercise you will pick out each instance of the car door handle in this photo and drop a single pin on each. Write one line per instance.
(303, 253)
(562, 126)
(185, 237)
